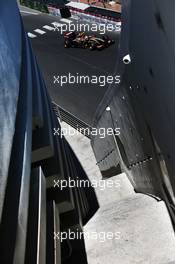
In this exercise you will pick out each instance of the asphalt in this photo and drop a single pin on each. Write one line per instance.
(79, 99)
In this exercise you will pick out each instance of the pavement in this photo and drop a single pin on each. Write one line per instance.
(81, 100)
(146, 235)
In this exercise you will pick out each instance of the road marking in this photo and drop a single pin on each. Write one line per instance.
(65, 20)
(30, 35)
(39, 31)
(75, 17)
(56, 24)
(48, 27)
(27, 12)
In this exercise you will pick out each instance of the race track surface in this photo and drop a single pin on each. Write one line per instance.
(48, 44)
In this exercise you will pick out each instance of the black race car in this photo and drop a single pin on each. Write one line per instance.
(81, 40)
(96, 43)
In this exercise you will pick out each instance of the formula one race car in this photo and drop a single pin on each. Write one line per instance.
(81, 40)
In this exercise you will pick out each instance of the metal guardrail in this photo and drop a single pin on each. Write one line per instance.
(72, 120)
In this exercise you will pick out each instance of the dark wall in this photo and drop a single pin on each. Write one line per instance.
(143, 104)
(10, 61)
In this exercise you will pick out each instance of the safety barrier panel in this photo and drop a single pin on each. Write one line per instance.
(34, 208)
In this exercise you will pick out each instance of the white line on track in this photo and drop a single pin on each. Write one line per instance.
(56, 24)
(65, 20)
(75, 17)
(27, 12)
(30, 35)
(39, 31)
(48, 27)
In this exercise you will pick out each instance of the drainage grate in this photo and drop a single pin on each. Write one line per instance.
(72, 120)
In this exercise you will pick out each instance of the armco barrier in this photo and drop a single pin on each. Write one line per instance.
(79, 14)
(54, 11)
(90, 17)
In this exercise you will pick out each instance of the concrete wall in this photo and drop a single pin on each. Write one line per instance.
(31, 157)
(10, 61)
